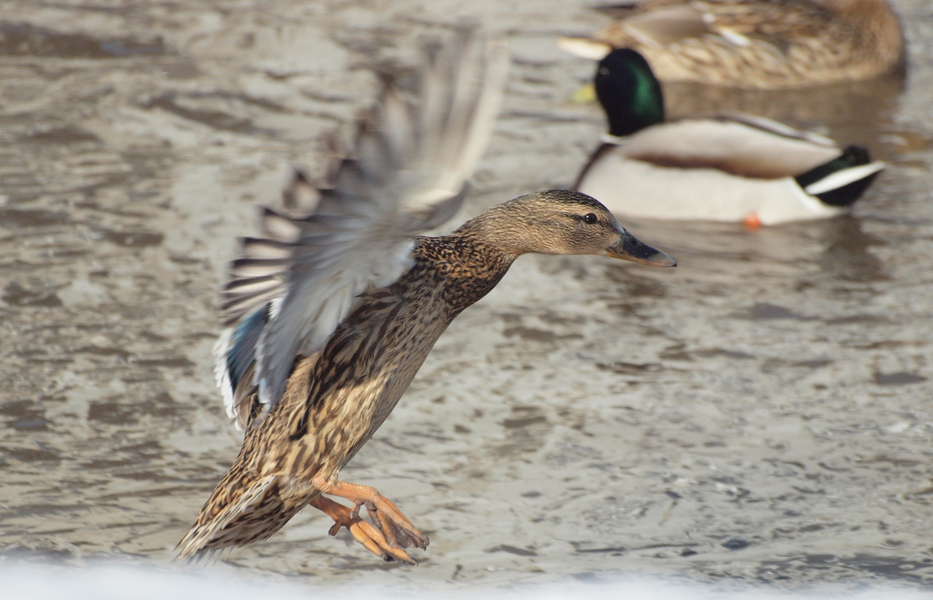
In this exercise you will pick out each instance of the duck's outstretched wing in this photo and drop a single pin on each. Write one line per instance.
(406, 174)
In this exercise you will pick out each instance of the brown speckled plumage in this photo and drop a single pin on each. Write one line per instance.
(335, 400)
(330, 316)
(762, 43)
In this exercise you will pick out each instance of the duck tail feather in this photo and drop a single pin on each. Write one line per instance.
(235, 515)
(841, 181)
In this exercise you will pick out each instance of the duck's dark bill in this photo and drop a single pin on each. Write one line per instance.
(629, 248)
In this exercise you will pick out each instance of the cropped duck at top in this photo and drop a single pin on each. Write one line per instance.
(331, 314)
(765, 44)
(737, 168)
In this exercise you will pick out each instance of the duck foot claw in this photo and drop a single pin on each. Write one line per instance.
(364, 533)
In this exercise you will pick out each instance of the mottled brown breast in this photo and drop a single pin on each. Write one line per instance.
(336, 400)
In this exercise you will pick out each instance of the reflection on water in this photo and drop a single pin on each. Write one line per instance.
(848, 255)
(587, 417)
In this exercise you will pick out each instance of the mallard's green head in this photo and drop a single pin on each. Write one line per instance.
(629, 92)
(560, 222)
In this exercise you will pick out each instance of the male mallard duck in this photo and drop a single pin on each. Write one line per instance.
(719, 169)
(332, 315)
(755, 43)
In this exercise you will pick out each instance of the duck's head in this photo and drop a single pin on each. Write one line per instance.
(629, 92)
(561, 222)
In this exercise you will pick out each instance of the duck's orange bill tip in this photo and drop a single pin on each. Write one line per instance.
(630, 248)
(752, 222)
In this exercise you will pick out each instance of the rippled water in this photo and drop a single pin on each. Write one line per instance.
(761, 413)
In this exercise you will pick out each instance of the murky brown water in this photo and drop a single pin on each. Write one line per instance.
(761, 413)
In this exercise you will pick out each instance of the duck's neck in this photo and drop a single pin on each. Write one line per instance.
(469, 265)
(629, 93)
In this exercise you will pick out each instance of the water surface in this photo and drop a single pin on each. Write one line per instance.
(762, 413)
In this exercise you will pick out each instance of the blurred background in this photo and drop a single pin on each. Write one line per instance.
(762, 414)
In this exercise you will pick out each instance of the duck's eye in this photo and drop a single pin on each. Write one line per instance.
(590, 218)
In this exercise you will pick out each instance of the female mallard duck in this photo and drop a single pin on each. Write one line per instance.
(764, 44)
(722, 169)
(333, 314)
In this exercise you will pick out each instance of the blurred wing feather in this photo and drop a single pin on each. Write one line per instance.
(407, 174)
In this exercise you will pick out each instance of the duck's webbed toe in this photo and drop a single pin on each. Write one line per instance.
(394, 527)
(363, 532)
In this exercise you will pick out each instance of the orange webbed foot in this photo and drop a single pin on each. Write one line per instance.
(363, 532)
(394, 526)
